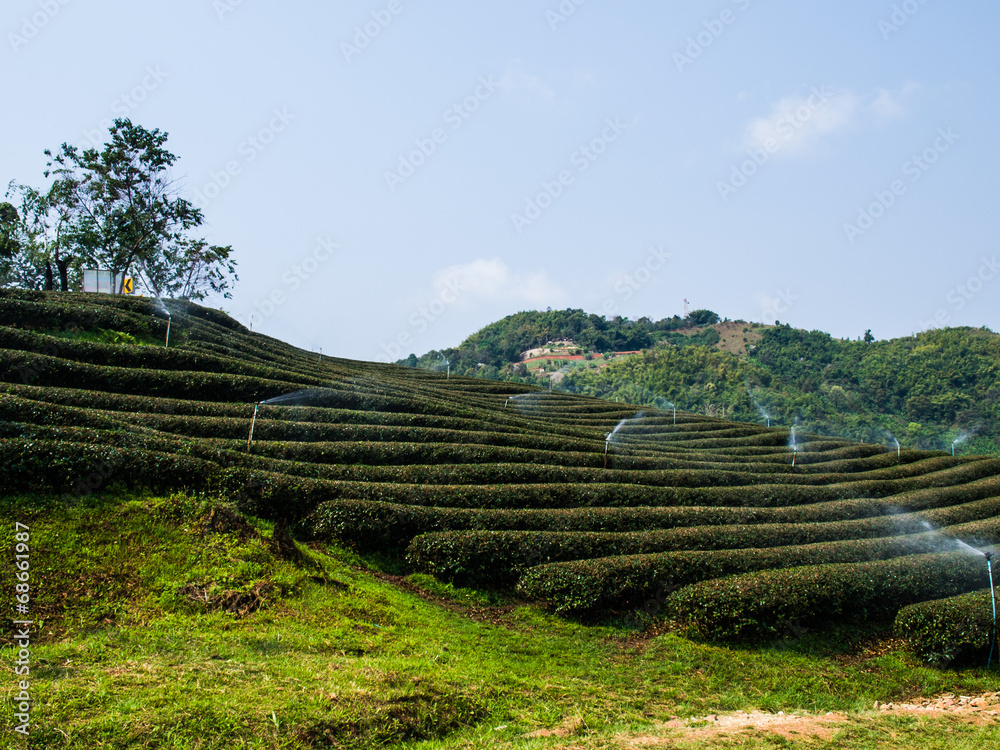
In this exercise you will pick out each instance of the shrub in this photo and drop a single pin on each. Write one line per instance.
(499, 557)
(762, 605)
(616, 582)
(351, 519)
(953, 630)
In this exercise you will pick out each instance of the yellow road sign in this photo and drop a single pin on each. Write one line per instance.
(127, 287)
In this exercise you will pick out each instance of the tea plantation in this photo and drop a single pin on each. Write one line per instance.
(732, 531)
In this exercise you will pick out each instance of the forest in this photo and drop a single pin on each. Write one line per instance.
(928, 391)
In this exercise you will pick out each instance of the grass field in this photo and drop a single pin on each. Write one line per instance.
(169, 622)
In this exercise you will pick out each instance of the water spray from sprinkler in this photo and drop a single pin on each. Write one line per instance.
(610, 436)
(959, 440)
(897, 449)
(674, 408)
(761, 409)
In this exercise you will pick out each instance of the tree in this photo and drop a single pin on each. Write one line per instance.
(703, 317)
(9, 219)
(189, 269)
(36, 237)
(868, 336)
(126, 213)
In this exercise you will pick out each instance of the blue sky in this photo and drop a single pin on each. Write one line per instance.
(394, 175)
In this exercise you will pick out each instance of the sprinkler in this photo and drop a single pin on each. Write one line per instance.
(169, 318)
(672, 406)
(961, 439)
(506, 401)
(607, 442)
(795, 453)
(252, 423)
(993, 639)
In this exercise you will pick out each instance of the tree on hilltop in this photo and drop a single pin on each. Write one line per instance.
(118, 208)
(703, 317)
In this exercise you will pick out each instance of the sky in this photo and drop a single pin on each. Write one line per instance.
(394, 175)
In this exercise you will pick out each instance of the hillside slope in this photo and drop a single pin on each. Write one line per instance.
(928, 391)
(585, 507)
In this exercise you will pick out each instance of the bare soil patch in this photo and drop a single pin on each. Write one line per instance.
(978, 710)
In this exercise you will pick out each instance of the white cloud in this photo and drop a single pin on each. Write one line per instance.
(889, 106)
(515, 79)
(493, 281)
(797, 124)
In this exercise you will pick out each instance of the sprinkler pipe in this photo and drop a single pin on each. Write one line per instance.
(993, 639)
(252, 423)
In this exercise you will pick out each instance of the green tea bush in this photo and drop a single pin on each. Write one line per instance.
(64, 467)
(950, 631)
(762, 605)
(499, 557)
(617, 582)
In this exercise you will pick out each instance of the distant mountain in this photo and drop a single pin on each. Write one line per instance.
(926, 391)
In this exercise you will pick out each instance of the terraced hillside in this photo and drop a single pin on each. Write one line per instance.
(588, 506)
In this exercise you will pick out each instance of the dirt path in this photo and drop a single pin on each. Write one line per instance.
(977, 710)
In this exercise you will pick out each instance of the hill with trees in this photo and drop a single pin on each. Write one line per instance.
(927, 391)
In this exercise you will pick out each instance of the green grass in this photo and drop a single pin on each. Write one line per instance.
(137, 649)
